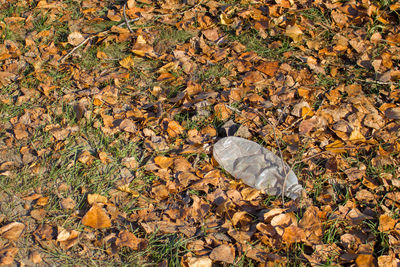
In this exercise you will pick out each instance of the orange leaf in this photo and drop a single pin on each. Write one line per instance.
(336, 147)
(96, 218)
(222, 112)
(164, 162)
(174, 129)
(386, 223)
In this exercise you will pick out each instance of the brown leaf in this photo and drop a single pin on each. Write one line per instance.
(164, 162)
(7, 255)
(386, 223)
(293, 234)
(365, 260)
(222, 112)
(160, 192)
(96, 218)
(67, 203)
(130, 162)
(128, 239)
(38, 214)
(12, 231)
(86, 158)
(42, 201)
(268, 68)
(75, 38)
(282, 221)
(174, 129)
(128, 125)
(127, 62)
(211, 34)
(223, 253)
(20, 131)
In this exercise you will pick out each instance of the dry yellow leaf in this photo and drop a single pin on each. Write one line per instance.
(174, 129)
(127, 62)
(164, 162)
(96, 198)
(336, 147)
(42, 201)
(294, 32)
(96, 218)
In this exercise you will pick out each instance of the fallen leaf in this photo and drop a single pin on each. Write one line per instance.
(75, 38)
(199, 262)
(365, 260)
(294, 32)
(128, 239)
(96, 198)
(223, 253)
(35, 257)
(127, 62)
(7, 255)
(12, 231)
(67, 203)
(96, 218)
(174, 129)
(386, 223)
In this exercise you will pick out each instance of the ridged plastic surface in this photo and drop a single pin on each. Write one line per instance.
(256, 166)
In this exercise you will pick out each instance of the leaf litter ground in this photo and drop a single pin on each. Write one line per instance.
(107, 131)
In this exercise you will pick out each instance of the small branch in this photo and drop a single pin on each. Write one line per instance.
(126, 20)
(75, 48)
(62, 59)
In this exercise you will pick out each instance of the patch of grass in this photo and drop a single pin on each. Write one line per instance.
(254, 42)
(315, 14)
(211, 74)
(171, 247)
(169, 37)
(331, 233)
(382, 245)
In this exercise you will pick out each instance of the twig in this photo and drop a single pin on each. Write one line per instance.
(374, 81)
(91, 37)
(75, 48)
(126, 20)
(283, 163)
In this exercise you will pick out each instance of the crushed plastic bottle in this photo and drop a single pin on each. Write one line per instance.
(256, 166)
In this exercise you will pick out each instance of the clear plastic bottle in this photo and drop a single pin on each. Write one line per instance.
(256, 166)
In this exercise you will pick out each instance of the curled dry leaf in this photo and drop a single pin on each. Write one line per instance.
(42, 201)
(96, 218)
(12, 231)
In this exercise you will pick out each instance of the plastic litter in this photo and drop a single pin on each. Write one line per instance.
(256, 166)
